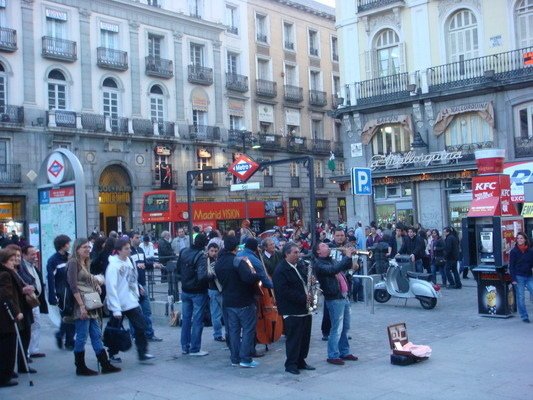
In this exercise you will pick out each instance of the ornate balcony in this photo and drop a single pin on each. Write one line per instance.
(475, 71)
(297, 144)
(313, 51)
(318, 98)
(262, 38)
(237, 138)
(8, 39)
(207, 180)
(383, 89)
(236, 82)
(335, 57)
(200, 75)
(367, 5)
(159, 67)
(336, 101)
(166, 128)
(469, 149)
(11, 114)
(119, 124)
(65, 119)
(204, 132)
(319, 182)
(92, 122)
(233, 30)
(293, 93)
(112, 59)
(295, 181)
(265, 88)
(10, 174)
(143, 127)
(59, 49)
(289, 45)
(270, 141)
(321, 146)
(523, 147)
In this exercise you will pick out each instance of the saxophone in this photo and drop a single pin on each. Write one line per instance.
(311, 289)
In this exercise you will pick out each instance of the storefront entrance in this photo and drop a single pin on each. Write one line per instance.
(115, 199)
(12, 215)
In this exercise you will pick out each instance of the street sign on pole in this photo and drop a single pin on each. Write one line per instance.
(362, 181)
(244, 186)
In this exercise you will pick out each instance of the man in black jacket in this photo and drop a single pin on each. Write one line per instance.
(451, 253)
(238, 279)
(414, 246)
(192, 265)
(290, 287)
(334, 286)
(164, 253)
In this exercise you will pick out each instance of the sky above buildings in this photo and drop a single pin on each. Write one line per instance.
(330, 3)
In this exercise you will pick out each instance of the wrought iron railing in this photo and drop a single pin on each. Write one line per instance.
(200, 75)
(65, 119)
(59, 49)
(265, 88)
(92, 122)
(142, 127)
(111, 58)
(159, 67)
(313, 51)
(480, 70)
(294, 93)
(262, 38)
(233, 30)
(365, 5)
(119, 124)
(10, 174)
(297, 144)
(386, 87)
(468, 149)
(270, 141)
(319, 182)
(336, 101)
(318, 98)
(338, 149)
(321, 146)
(236, 82)
(523, 147)
(289, 45)
(12, 114)
(295, 181)
(204, 132)
(8, 39)
(238, 138)
(166, 128)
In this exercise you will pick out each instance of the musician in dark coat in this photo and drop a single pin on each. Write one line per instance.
(293, 301)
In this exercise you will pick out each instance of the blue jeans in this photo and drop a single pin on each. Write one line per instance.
(521, 283)
(144, 302)
(419, 266)
(241, 321)
(192, 313)
(434, 270)
(89, 327)
(339, 313)
(215, 306)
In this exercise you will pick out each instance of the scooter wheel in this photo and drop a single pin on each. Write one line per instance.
(381, 295)
(428, 303)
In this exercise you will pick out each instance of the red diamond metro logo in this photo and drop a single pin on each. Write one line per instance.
(56, 168)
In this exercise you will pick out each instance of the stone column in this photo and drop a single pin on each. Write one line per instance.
(135, 70)
(28, 52)
(85, 61)
(178, 77)
(217, 81)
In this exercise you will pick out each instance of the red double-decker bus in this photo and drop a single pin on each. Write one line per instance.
(161, 211)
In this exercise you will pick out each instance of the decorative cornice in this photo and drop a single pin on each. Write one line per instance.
(446, 5)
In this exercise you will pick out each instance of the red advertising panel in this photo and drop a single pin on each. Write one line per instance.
(491, 196)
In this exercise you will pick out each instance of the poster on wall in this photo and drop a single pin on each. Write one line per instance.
(34, 234)
(57, 213)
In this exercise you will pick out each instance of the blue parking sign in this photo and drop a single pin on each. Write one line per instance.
(362, 181)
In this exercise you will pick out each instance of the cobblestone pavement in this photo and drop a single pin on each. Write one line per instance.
(473, 358)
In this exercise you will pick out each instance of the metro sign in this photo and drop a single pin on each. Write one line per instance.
(55, 169)
(243, 167)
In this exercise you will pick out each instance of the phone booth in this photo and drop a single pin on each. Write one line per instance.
(489, 232)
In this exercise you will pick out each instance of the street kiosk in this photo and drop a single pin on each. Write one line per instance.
(489, 232)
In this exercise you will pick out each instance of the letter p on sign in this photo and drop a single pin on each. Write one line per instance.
(362, 181)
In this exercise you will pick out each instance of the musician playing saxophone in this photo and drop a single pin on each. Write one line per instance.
(290, 287)
(334, 286)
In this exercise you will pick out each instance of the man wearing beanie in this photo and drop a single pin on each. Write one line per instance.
(250, 251)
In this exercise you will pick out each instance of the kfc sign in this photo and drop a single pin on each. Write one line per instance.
(486, 186)
(496, 186)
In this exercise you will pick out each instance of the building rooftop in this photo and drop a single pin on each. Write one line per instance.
(311, 6)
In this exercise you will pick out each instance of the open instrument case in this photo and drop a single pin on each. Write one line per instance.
(397, 339)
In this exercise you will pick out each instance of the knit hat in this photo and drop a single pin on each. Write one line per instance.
(251, 244)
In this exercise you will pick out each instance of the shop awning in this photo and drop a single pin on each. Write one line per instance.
(527, 211)
(484, 207)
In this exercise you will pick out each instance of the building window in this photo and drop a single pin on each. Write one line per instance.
(57, 90)
(524, 121)
(462, 36)
(110, 101)
(154, 45)
(199, 118)
(288, 35)
(235, 123)
(317, 128)
(524, 23)
(468, 128)
(56, 27)
(261, 28)
(232, 20)
(157, 104)
(313, 42)
(294, 170)
(233, 63)
(319, 169)
(387, 53)
(263, 69)
(3, 89)
(315, 80)
(336, 86)
(108, 39)
(334, 48)
(197, 55)
(291, 77)
(391, 139)
(3, 151)
(196, 8)
(154, 3)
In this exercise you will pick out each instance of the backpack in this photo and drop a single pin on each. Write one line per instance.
(65, 298)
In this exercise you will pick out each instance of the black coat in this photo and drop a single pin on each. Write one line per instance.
(165, 251)
(451, 248)
(11, 296)
(413, 246)
(192, 266)
(325, 271)
(289, 289)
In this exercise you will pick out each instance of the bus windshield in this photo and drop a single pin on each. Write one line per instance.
(156, 202)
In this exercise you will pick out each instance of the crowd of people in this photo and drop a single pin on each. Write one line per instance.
(220, 273)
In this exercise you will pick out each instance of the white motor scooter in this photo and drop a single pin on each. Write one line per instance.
(402, 285)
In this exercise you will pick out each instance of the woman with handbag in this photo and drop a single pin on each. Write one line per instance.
(86, 290)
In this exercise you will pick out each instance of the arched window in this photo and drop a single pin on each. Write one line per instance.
(157, 103)
(390, 139)
(3, 89)
(388, 56)
(462, 36)
(468, 129)
(524, 23)
(57, 90)
(111, 101)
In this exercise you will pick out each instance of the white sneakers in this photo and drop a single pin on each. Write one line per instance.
(200, 353)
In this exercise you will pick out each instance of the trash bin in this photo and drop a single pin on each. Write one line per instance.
(495, 296)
